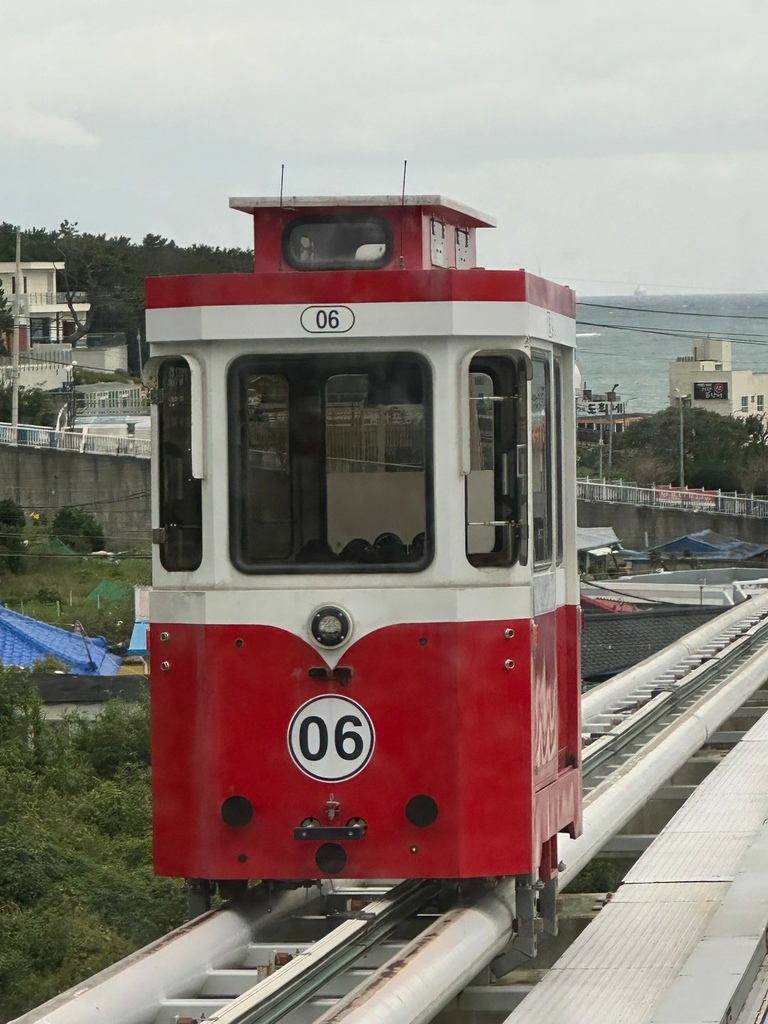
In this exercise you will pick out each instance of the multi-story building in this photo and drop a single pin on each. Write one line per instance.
(707, 380)
(50, 318)
(47, 325)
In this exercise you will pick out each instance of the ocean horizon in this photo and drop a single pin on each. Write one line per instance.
(630, 340)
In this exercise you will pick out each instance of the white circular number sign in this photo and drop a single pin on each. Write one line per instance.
(331, 738)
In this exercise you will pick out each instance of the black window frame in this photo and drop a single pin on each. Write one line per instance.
(337, 364)
(541, 563)
(510, 541)
(557, 381)
(180, 509)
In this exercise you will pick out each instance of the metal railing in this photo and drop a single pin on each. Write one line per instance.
(77, 440)
(660, 496)
(54, 298)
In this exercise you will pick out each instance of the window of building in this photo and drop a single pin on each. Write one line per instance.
(761, 403)
(40, 329)
(331, 464)
(744, 403)
(181, 533)
(495, 482)
(338, 243)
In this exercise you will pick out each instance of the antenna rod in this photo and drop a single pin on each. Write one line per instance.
(402, 215)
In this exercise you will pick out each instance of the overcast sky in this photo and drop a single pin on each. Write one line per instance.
(618, 143)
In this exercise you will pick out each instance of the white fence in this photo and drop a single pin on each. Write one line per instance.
(725, 502)
(79, 440)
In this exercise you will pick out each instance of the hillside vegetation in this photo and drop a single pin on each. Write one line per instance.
(111, 270)
(77, 890)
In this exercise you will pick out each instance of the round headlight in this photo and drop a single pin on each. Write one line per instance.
(330, 626)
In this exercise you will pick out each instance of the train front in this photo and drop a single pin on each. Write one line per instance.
(364, 625)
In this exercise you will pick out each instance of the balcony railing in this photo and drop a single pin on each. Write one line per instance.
(725, 502)
(78, 440)
(54, 298)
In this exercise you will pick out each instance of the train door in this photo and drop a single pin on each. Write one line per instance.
(542, 485)
(496, 531)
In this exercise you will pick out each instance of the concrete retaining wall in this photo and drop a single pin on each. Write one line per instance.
(642, 526)
(114, 489)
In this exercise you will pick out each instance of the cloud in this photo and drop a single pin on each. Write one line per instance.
(613, 140)
(28, 125)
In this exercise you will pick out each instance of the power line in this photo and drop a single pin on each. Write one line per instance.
(738, 339)
(672, 312)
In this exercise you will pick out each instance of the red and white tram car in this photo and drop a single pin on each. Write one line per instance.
(364, 623)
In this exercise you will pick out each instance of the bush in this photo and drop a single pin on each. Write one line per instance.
(77, 890)
(117, 739)
(78, 529)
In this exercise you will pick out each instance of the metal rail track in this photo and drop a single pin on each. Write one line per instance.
(363, 951)
(640, 714)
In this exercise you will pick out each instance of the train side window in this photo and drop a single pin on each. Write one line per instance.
(541, 462)
(558, 376)
(338, 243)
(493, 486)
(181, 517)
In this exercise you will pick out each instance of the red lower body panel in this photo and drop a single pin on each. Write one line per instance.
(450, 750)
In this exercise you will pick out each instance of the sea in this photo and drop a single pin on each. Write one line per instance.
(629, 341)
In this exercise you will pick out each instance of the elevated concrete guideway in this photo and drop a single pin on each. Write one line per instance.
(684, 938)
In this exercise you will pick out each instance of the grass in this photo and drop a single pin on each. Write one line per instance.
(56, 588)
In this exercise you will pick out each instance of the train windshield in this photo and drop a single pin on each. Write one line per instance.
(330, 464)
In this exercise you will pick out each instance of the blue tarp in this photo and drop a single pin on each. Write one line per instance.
(23, 641)
(706, 545)
(138, 644)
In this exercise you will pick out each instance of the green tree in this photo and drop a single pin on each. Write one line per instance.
(112, 272)
(35, 405)
(714, 448)
(78, 529)
(6, 313)
(11, 536)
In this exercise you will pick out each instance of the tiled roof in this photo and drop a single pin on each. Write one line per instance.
(611, 643)
(23, 641)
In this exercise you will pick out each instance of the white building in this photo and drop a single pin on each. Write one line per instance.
(50, 319)
(45, 353)
(707, 380)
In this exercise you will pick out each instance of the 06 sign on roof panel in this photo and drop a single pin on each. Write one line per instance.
(327, 319)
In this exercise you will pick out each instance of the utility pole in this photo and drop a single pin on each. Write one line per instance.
(680, 399)
(18, 307)
(600, 451)
(682, 447)
(611, 399)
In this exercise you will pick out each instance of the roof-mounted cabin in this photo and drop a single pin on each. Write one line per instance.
(362, 233)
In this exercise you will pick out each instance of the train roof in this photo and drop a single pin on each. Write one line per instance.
(429, 204)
